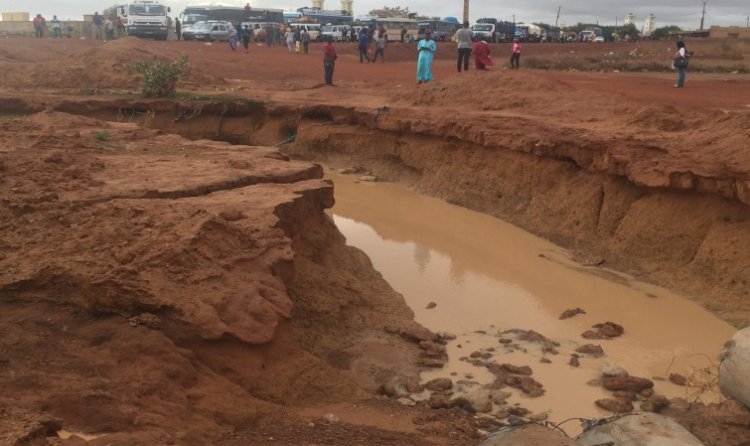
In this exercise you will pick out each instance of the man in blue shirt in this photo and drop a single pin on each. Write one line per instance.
(364, 43)
(96, 26)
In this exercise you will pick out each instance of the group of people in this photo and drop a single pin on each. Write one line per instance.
(40, 24)
(365, 38)
(105, 28)
(296, 39)
(468, 45)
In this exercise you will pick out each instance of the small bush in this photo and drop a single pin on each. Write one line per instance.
(160, 78)
(102, 135)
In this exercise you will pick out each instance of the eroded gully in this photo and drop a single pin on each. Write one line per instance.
(486, 276)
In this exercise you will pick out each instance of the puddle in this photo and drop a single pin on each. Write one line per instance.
(487, 275)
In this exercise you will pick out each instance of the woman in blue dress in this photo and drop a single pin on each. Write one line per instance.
(426, 48)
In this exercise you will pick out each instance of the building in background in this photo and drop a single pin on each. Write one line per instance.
(347, 6)
(629, 19)
(649, 25)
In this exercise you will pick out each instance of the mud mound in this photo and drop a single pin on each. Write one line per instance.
(158, 280)
(505, 90)
(665, 118)
(102, 66)
(475, 91)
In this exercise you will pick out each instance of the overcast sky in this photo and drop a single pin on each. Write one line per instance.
(685, 13)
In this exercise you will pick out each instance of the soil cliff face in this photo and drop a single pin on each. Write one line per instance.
(659, 192)
(162, 290)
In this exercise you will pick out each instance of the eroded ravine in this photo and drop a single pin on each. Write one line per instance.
(487, 276)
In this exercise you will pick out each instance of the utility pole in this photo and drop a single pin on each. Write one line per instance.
(557, 21)
(703, 16)
(748, 21)
(466, 10)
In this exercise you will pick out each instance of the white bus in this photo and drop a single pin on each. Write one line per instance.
(313, 29)
(393, 27)
(335, 31)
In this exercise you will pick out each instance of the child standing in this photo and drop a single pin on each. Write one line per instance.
(380, 47)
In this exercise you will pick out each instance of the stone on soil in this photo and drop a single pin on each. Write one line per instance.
(476, 401)
(439, 384)
(656, 403)
(734, 368)
(530, 434)
(643, 429)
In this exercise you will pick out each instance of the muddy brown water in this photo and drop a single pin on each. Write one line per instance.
(487, 276)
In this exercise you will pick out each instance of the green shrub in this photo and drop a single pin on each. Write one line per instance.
(160, 78)
(102, 135)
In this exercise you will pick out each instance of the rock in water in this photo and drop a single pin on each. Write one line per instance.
(631, 383)
(734, 369)
(647, 429)
(572, 312)
(616, 405)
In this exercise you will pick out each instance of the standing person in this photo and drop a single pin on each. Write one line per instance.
(364, 42)
(120, 28)
(96, 26)
(56, 27)
(305, 38)
(515, 57)
(380, 47)
(245, 33)
(481, 52)
(233, 37)
(426, 48)
(290, 39)
(680, 62)
(109, 30)
(39, 24)
(269, 36)
(463, 39)
(329, 59)
(178, 28)
(403, 33)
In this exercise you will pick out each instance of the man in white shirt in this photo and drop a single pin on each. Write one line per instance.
(464, 40)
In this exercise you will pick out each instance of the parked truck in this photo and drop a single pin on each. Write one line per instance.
(493, 30)
(145, 18)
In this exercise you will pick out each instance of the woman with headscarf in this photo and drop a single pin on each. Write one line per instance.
(481, 52)
(290, 39)
(426, 49)
(233, 37)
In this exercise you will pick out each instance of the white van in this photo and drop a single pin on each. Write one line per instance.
(335, 31)
(313, 29)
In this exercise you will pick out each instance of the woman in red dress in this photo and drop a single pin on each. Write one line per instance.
(481, 50)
